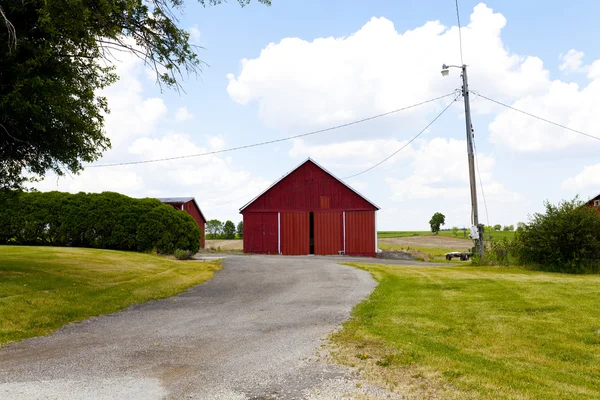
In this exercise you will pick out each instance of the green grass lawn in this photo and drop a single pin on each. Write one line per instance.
(459, 235)
(43, 288)
(477, 332)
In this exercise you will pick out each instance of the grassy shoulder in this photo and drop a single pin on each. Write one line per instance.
(43, 288)
(474, 332)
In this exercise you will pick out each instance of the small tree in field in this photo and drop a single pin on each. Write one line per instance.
(214, 228)
(506, 228)
(511, 227)
(240, 229)
(497, 227)
(454, 231)
(566, 238)
(229, 230)
(436, 222)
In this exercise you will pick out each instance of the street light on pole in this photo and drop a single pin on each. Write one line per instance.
(476, 228)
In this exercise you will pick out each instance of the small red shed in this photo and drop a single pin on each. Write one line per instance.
(189, 205)
(310, 211)
(594, 202)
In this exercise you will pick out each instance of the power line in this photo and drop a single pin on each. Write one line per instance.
(459, 33)
(487, 215)
(537, 117)
(271, 141)
(406, 144)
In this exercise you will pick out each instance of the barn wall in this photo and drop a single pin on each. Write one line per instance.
(191, 209)
(328, 232)
(260, 233)
(309, 188)
(360, 233)
(295, 233)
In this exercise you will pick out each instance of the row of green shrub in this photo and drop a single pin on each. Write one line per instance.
(565, 238)
(105, 220)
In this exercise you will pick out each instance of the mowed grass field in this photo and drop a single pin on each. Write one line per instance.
(477, 333)
(43, 288)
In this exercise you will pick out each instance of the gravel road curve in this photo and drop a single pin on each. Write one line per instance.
(251, 332)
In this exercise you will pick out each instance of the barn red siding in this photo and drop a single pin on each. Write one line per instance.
(309, 188)
(260, 233)
(360, 233)
(328, 232)
(190, 208)
(295, 233)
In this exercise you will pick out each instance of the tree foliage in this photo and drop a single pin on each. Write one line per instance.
(566, 238)
(437, 221)
(214, 228)
(497, 227)
(107, 220)
(229, 230)
(56, 55)
(240, 229)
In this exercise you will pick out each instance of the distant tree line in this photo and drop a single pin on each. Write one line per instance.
(216, 229)
(105, 220)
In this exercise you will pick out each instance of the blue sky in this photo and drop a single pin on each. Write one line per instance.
(303, 65)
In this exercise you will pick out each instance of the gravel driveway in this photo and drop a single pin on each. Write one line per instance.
(251, 332)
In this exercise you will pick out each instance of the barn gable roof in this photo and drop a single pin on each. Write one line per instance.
(181, 200)
(319, 166)
(593, 198)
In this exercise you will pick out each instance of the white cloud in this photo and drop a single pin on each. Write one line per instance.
(563, 103)
(351, 155)
(133, 126)
(377, 69)
(589, 177)
(195, 34)
(182, 114)
(572, 61)
(439, 169)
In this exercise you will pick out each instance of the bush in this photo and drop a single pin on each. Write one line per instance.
(106, 220)
(566, 238)
(183, 254)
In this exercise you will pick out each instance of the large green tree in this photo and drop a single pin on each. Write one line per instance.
(55, 55)
(437, 220)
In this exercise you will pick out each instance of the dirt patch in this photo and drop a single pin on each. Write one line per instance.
(395, 255)
(237, 245)
(430, 241)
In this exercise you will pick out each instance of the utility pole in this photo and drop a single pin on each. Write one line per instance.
(478, 237)
(476, 229)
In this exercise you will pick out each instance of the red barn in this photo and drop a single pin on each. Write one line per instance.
(595, 202)
(189, 205)
(310, 211)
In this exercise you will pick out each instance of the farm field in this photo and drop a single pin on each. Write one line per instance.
(429, 248)
(227, 245)
(460, 235)
(43, 288)
(476, 333)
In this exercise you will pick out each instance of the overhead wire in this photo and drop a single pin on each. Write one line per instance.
(459, 33)
(406, 144)
(537, 117)
(271, 141)
(487, 215)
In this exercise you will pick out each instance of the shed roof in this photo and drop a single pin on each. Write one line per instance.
(181, 200)
(315, 163)
(593, 198)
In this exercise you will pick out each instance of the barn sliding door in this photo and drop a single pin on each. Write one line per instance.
(295, 233)
(360, 233)
(328, 232)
